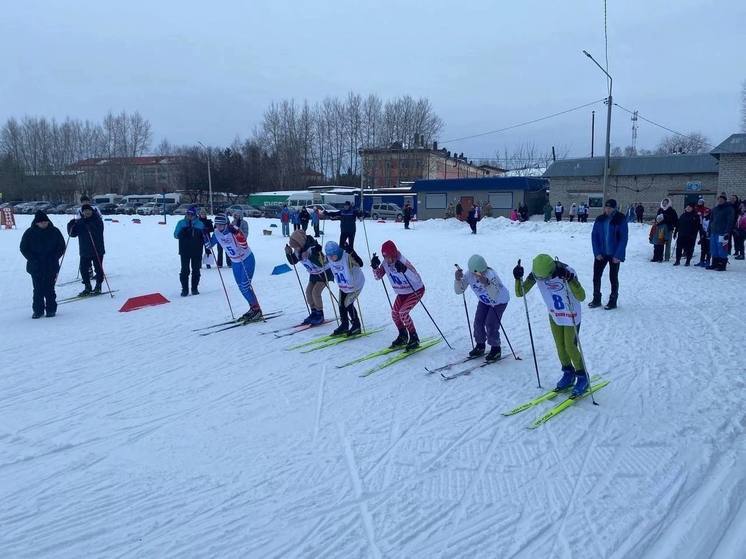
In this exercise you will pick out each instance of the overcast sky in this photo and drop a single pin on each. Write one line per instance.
(206, 70)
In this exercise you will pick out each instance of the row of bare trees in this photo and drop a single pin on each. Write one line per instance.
(38, 145)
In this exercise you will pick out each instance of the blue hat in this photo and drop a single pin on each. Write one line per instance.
(192, 210)
(220, 219)
(332, 248)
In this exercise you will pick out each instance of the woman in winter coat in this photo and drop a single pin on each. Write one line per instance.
(671, 219)
(42, 245)
(573, 211)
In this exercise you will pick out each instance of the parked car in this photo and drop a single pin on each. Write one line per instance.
(328, 211)
(60, 208)
(386, 211)
(129, 208)
(11, 204)
(149, 209)
(33, 207)
(182, 209)
(108, 209)
(72, 210)
(245, 209)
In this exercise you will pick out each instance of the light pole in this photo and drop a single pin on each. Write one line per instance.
(608, 124)
(209, 176)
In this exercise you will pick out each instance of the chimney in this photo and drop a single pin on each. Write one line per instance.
(416, 139)
(461, 155)
(435, 146)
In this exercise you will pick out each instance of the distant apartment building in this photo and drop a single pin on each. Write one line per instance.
(129, 175)
(398, 165)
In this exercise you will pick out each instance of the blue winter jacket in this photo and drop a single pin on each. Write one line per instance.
(609, 235)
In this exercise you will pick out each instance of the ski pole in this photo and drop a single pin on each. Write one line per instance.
(220, 275)
(530, 333)
(59, 268)
(386, 291)
(100, 263)
(577, 337)
(428, 312)
(360, 312)
(301, 289)
(517, 358)
(331, 295)
(466, 310)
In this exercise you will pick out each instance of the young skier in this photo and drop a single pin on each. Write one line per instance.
(562, 294)
(493, 298)
(89, 228)
(304, 249)
(346, 266)
(238, 252)
(406, 281)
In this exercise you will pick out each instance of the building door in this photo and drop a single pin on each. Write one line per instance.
(691, 199)
(466, 204)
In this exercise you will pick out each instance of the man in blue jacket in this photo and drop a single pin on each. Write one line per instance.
(609, 240)
(190, 232)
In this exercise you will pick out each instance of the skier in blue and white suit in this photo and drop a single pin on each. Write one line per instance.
(237, 249)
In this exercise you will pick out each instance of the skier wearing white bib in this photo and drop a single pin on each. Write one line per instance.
(562, 294)
(304, 249)
(493, 298)
(346, 266)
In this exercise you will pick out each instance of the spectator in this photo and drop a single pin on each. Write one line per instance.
(513, 215)
(305, 217)
(704, 239)
(671, 219)
(522, 211)
(190, 232)
(89, 228)
(657, 237)
(450, 211)
(407, 215)
(631, 214)
(573, 211)
(284, 220)
(686, 234)
(42, 245)
(295, 218)
(315, 219)
(609, 242)
(459, 211)
(639, 212)
(209, 228)
(547, 212)
(240, 223)
(347, 226)
(473, 218)
(740, 232)
(488, 210)
(559, 209)
(721, 225)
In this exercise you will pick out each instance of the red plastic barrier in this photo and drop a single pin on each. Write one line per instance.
(150, 300)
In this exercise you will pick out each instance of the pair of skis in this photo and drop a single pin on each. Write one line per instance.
(330, 340)
(463, 372)
(596, 384)
(82, 297)
(401, 354)
(230, 324)
(294, 329)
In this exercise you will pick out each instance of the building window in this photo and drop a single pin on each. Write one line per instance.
(595, 201)
(437, 201)
(501, 200)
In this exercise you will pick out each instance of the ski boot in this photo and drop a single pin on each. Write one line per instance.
(97, 289)
(581, 384)
(51, 314)
(596, 302)
(342, 329)
(86, 291)
(494, 354)
(567, 380)
(252, 315)
(414, 341)
(612, 302)
(401, 340)
(195, 291)
(307, 320)
(37, 315)
(184, 292)
(316, 318)
(354, 329)
(477, 351)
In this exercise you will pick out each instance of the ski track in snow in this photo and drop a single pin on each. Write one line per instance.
(129, 435)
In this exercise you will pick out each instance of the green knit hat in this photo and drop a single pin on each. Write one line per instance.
(543, 266)
(477, 264)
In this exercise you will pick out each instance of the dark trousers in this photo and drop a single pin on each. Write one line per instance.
(347, 310)
(598, 272)
(316, 231)
(704, 254)
(196, 261)
(739, 236)
(639, 219)
(347, 237)
(685, 247)
(44, 295)
(558, 216)
(219, 259)
(406, 224)
(473, 224)
(304, 225)
(658, 253)
(85, 269)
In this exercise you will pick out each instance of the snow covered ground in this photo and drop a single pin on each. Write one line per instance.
(128, 435)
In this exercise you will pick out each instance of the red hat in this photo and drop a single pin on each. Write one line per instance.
(389, 250)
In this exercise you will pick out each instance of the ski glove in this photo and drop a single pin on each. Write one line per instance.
(375, 262)
(565, 274)
(400, 267)
(459, 274)
(347, 248)
(518, 272)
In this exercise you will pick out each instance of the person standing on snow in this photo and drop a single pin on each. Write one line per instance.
(285, 220)
(209, 228)
(639, 212)
(704, 238)
(89, 228)
(304, 219)
(721, 226)
(658, 236)
(473, 218)
(237, 250)
(191, 234)
(671, 219)
(346, 266)
(559, 209)
(547, 212)
(686, 235)
(42, 245)
(315, 218)
(304, 249)
(573, 211)
(562, 294)
(407, 215)
(609, 242)
(347, 225)
(407, 283)
(493, 298)
(739, 233)
(295, 218)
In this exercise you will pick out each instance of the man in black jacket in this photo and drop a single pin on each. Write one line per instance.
(347, 225)
(89, 228)
(42, 246)
(407, 215)
(671, 219)
(686, 234)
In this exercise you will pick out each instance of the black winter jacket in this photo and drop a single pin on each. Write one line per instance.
(90, 233)
(688, 225)
(42, 248)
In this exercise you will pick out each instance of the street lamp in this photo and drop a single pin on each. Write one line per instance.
(209, 175)
(608, 124)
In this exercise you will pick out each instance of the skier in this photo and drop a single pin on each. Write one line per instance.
(42, 246)
(559, 209)
(238, 252)
(306, 250)
(346, 266)
(407, 283)
(562, 294)
(191, 234)
(493, 298)
(89, 228)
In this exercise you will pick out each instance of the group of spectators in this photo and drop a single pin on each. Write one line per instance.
(576, 210)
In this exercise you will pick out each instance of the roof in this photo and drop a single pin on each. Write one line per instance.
(736, 143)
(146, 160)
(685, 164)
(488, 183)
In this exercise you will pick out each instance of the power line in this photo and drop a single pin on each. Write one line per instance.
(656, 124)
(523, 123)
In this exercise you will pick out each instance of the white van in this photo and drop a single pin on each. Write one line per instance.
(302, 199)
(107, 199)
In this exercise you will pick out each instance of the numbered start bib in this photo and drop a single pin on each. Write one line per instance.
(483, 294)
(559, 301)
(234, 245)
(347, 278)
(399, 281)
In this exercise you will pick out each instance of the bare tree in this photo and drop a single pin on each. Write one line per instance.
(694, 142)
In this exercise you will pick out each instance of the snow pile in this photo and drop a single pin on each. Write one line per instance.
(128, 434)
